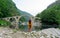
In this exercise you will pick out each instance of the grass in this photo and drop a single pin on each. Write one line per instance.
(4, 23)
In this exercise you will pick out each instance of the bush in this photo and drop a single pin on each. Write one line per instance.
(4, 23)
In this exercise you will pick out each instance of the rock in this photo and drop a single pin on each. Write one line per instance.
(42, 37)
(0, 37)
(46, 33)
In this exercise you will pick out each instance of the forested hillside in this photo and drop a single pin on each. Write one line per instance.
(8, 8)
(26, 15)
(50, 17)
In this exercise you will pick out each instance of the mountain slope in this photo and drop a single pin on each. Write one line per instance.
(50, 17)
(55, 3)
(7, 8)
(25, 14)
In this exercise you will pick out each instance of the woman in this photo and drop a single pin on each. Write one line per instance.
(29, 25)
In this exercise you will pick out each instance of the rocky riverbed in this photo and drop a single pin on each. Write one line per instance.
(46, 33)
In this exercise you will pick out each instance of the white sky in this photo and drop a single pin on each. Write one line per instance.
(33, 6)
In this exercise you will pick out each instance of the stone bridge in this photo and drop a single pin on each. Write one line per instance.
(14, 20)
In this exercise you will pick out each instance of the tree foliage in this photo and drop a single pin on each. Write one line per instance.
(51, 15)
(7, 8)
(22, 19)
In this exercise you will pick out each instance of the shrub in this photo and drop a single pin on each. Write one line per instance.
(4, 23)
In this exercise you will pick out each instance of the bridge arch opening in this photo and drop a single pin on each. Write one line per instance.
(12, 19)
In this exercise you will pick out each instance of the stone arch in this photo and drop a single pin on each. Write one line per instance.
(17, 17)
(12, 19)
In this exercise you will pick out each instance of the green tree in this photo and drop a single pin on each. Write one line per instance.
(7, 8)
(23, 19)
(50, 17)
